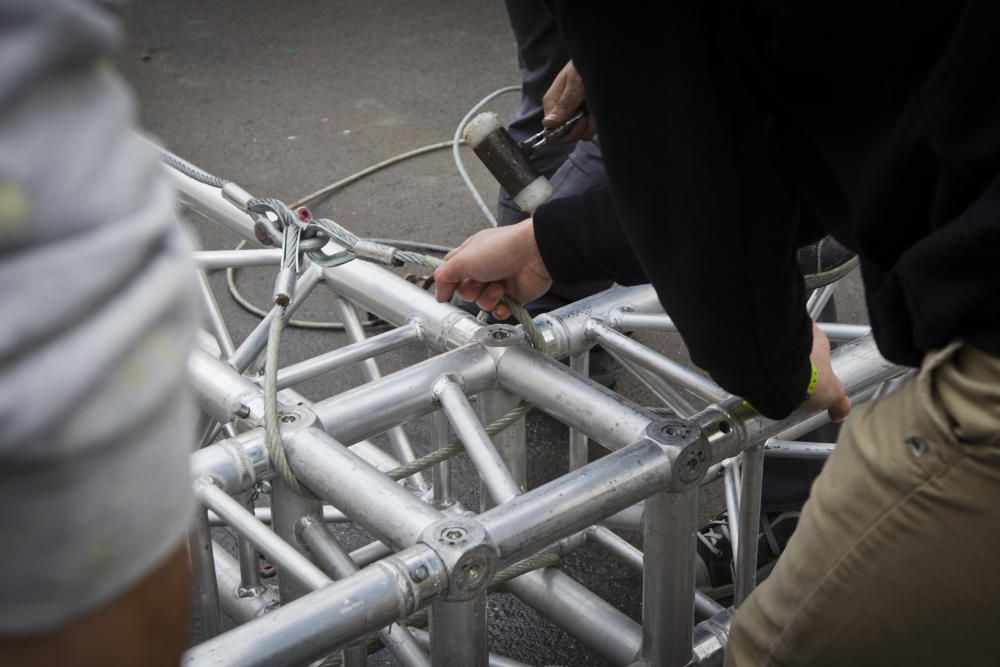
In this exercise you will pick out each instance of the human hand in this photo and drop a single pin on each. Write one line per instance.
(829, 392)
(562, 100)
(492, 263)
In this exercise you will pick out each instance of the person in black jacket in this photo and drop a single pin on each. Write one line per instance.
(881, 122)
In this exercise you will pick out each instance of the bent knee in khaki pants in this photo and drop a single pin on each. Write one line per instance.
(894, 561)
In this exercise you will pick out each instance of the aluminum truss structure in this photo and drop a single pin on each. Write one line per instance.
(431, 553)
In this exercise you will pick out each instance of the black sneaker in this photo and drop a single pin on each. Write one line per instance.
(714, 566)
(825, 261)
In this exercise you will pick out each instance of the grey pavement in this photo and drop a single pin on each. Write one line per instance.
(285, 97)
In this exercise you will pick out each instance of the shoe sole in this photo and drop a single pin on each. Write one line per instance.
(824, 278)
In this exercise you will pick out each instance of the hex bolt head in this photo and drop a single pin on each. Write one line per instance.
(676, 431)
(472, 574)
(691, 464)
(419, 573)
(454, 534)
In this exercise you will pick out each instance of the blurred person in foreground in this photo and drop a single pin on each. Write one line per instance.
(881, 121)
(94, 422)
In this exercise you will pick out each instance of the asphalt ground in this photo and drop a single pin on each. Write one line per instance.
(285, 97)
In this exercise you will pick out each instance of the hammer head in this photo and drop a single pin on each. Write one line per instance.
(507, 161)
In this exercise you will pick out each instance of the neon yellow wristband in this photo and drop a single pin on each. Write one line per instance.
(813, 379)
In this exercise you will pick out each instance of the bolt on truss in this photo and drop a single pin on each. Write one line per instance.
(434, 560)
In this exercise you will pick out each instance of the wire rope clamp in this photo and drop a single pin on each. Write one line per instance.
(687, 446)
(468, 553)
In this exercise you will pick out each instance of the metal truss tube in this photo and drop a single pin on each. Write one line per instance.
(628, 321)
(377, 406)
(373, 288)
(237, 607)
(657, 385)
(220, 389)
(458, 633)
(629, 518)
(215, 321)
(704, 606)
(249, 557)
(397, 301)
(263, 514)
(668, 578)
(578, 499)
(206, 587)
(481, 451)
(287, 509)
(335, 473)
(711, 638)
(338, 563)
(288, 559)
(579, 402)
(401, 446)
(256, 341)
(815, 451)
(647, 358)
(370, 553)
(208, 201)
(813, 422)
(236, 464)
(564, 329)
(733, 426)
(314, 625)
(844, 333)
(618, 547)
(750, 499)
(595, 623)
(819, 298)
(344, 356)
(510, 443)
(578, 453)
(424, 639)
(324, 546)
(212, 260)
(731, 484)
(441, 473)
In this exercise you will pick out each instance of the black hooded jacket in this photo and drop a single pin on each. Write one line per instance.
(733, 131)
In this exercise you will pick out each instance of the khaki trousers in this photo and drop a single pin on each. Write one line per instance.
(896, 560)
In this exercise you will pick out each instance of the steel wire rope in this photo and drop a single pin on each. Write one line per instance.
(455, 143)
(273, 440)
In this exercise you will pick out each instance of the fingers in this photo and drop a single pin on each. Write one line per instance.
(563, 97)
(839, 410)
(470, 289)
(490, 297)
(563, 108)
(588, 127)
(487, 296)
(447, 277)
(583, 130)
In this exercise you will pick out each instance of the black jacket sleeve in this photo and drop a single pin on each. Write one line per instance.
(581, 239)
(696, 187)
